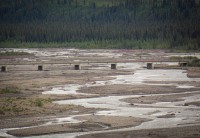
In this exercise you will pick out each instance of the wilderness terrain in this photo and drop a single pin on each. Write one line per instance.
(97, 101)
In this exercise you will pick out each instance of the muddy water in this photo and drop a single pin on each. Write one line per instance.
(53, 52)
(121, 79)
(141, 76)
(182, 115)
(67, 89)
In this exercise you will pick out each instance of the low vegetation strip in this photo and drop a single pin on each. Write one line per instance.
(179, 58)
(8, 90)
(193, 61)
(11, 106)
(12, 53)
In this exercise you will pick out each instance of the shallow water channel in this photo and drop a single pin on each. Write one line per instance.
(183, 115)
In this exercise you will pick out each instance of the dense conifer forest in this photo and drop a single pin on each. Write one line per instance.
(125, 24)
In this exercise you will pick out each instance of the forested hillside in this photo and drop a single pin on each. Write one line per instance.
(104, 23)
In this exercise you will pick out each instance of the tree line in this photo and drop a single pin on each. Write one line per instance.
(174, 21)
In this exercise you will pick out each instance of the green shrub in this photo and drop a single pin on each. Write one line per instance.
(2, 112)
(194, 63)
(8, 90)
(192, 60)
(38, 102)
